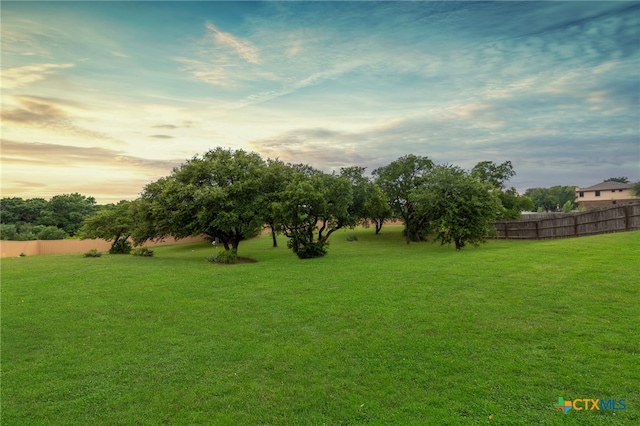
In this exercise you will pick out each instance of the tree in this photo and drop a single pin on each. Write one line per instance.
(15, 210)
(621, 179)
(551, 199)
(277, 175)
(376, 206)
(458, 207)
(112, 223)
(498, 175)
(51, 233)
(369, 203)
(636, 189)
(513, 204)
(397, 180)
(313, 207)
(67, 211)
(495, 174)
(567, 207)
(218, 194)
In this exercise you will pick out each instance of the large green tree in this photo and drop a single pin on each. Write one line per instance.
(397, 180)
(218, 194)
(314, 206)
(458, 206)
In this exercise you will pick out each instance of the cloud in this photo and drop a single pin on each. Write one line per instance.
(161, 136)
(243, 48)
(13, 78)
(49, 113)
(46, 154)
(164, 126)
(206, 71)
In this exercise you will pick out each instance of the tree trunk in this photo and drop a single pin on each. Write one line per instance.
(273, 237)
(115, 240)
(378, 226)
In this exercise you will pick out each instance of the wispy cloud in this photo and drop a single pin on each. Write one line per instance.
(25, 153)
(245, 49)
(161, 136)
(13, 78)
(50, 114)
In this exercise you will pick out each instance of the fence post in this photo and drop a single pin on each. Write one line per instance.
(575, 225)
(627, 222)
(506, 230)
(537, 229)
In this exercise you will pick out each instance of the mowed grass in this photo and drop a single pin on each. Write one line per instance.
(377, 332)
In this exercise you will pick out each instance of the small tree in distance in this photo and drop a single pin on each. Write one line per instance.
(113, 223)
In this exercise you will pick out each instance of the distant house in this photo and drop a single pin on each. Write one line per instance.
(605, 194)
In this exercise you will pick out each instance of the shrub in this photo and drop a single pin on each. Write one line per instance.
(93, 253)
(352, 238)
(224, 257)
(121, 247)
(143, 252)
(309, 249)
(22, 255)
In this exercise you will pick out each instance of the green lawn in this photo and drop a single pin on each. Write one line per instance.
(376, 332)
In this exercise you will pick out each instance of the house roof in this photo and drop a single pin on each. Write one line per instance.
(605, 186)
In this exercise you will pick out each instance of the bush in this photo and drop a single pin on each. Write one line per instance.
(225, 257)
(121, 247)
(93, 253)
(309, 250)
(352, 238)
(143, 252)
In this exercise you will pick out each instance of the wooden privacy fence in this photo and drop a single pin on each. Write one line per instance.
(38, 247)
(602, 221)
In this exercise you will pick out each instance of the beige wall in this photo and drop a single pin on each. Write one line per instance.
(38, 247)
(607, 195)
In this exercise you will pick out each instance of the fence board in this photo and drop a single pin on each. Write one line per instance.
(601, 221)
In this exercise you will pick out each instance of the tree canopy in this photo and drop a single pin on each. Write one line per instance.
(313, 207)
(218, 194)
(458, 207)
(551, 199)
(397, 180)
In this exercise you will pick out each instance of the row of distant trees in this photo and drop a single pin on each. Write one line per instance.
(39, 219)
(230, 196)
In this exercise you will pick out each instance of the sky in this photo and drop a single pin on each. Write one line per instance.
(102, 98)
